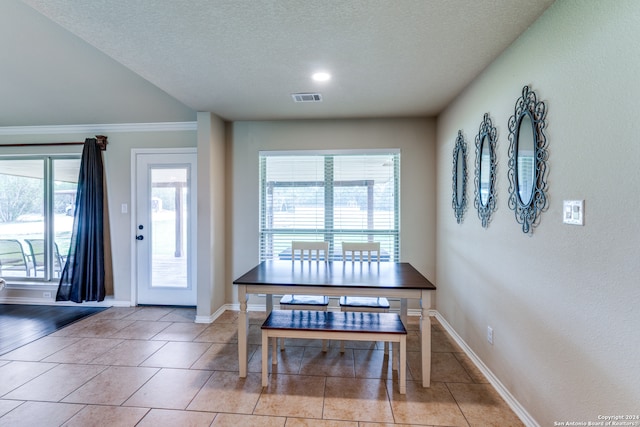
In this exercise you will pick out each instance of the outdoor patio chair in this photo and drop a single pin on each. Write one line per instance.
(12, 257)
(36, 249)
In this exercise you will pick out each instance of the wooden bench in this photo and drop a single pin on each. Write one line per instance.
(330, 325)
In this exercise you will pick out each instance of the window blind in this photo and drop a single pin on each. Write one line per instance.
(335, 197)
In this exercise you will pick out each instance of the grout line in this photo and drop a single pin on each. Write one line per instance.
(388, 382)
(457, 404)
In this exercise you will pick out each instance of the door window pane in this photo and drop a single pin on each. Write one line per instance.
(169, 205)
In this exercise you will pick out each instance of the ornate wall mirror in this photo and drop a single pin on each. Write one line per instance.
(527, 160)
(485, 199)
(459, 201)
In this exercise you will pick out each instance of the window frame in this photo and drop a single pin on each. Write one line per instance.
(47, 279)
(266, 247)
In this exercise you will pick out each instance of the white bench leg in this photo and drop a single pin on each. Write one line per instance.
(265, 359)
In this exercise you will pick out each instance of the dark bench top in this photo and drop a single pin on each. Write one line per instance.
(335, 321)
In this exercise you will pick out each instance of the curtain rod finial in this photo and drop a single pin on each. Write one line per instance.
(102, 142)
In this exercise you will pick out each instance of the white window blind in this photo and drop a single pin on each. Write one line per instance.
(336, 197)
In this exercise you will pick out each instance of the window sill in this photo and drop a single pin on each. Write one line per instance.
(41, 286)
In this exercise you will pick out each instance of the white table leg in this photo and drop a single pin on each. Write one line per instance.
(425, 328)
(404, 309)
(402, 374)
(395, 360)
(274, 353)
(269, 303)
(243, 331)
(265, 357)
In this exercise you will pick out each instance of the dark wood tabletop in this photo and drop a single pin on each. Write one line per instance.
(387, 275)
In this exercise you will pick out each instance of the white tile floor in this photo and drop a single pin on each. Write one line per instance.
(153, 366)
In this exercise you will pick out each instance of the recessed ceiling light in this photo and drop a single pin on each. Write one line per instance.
(321, 77)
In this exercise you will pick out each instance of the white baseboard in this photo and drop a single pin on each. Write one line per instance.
(214, 316)
(513, 403)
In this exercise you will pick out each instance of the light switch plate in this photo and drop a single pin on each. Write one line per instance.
(573, 212)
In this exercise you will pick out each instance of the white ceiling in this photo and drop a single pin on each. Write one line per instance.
(118, 61)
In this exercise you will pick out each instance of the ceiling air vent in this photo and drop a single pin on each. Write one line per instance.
(306, 97)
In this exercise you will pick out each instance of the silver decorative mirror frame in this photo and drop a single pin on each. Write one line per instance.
(528, 165)
(459, 201)
(485, 177)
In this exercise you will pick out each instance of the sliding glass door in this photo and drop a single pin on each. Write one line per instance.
(37, 203)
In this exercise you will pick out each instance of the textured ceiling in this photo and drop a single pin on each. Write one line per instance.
(242, 59)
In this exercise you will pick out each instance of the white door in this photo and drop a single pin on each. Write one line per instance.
(165, 212)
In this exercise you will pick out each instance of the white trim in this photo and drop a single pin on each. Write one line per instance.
(179, 150)
(214, 316)
(134, 213)
(513, 403)
(133, 272)
(99, 128)
(336, 152)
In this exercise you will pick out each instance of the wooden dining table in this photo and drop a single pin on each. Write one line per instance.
(336, 278)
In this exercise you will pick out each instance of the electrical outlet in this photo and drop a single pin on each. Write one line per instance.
(46, 295)
(490, 335)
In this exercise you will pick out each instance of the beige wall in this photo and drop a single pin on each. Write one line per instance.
(414, 137)
(211, 216)
(564, 302)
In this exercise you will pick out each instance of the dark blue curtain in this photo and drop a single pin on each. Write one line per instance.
(83, 276)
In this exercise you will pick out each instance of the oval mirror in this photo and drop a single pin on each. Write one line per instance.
(485, 197)
(459, 180)
(528, 160)
(460, 177)
(485, 170)
(525, 159)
